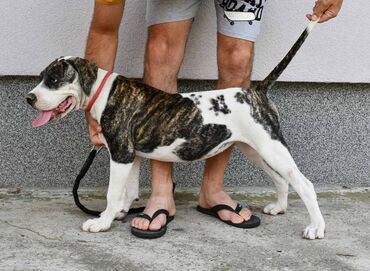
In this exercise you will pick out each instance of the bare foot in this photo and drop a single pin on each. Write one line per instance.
(210, 199)
(155, 202)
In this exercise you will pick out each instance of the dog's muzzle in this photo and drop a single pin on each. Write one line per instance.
(31, 98)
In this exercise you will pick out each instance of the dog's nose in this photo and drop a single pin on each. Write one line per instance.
(31, 98)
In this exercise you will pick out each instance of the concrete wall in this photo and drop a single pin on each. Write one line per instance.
(33, 33)
(326, 126)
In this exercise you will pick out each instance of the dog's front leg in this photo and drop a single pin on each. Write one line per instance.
(132, 190)
(119, 174)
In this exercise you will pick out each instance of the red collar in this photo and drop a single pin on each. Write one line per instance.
(97, 93)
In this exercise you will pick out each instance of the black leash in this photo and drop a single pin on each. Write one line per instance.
(94, 151)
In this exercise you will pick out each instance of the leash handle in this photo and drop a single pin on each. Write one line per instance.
(85, 167)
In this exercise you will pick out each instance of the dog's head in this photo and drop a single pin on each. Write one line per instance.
(64, 86)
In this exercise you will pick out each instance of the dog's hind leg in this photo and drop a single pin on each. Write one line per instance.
(277, 156)
(119, 174)
(282, 186)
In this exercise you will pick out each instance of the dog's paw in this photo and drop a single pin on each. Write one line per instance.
(96, 225)
(314, 231)
(121, 215)
(274, 209)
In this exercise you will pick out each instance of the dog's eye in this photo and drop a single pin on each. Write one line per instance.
(54, 80)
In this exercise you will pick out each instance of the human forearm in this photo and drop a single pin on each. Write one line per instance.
(101, 49)
(102, 43)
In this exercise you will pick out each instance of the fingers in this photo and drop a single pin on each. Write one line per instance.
(94, 126)
(95, 140)
(325, 10)
(319, 9)
(94, 130)
(329, 14)
(309, 16)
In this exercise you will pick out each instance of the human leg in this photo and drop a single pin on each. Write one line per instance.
(235, 47)
(163, 57)
(235, 58)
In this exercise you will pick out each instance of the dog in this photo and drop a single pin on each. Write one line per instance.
(139, 121)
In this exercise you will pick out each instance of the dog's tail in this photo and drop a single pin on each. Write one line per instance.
(270, 80)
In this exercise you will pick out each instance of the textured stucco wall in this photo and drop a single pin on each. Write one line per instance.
(325, 125)
(35, 32)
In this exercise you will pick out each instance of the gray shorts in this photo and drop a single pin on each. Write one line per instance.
(165, 11)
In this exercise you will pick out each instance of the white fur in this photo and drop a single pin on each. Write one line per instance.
(116, 197)
(252, 139)
(48, 100)
(257, 144)
(164, 153)
(132, 191)
(312, 25)
(282, 185)
(99, 105)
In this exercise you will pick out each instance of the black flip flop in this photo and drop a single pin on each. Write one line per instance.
(149, 234)
(253, 222)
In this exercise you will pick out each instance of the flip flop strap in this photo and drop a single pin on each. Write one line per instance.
(145, 216)
(157, 213)
(238, 208)
(160, 211)
(220, 207)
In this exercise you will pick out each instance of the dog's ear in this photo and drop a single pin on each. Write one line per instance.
(87, 72)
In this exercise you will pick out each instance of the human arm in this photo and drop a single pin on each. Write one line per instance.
(101, 48)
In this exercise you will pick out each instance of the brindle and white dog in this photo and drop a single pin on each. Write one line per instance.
(140, 121)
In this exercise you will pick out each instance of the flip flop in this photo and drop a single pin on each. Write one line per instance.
(149, 234)
(253, 222)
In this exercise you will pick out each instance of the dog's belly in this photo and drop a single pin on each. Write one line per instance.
(169, 153)
(220, 148)
(164, 153)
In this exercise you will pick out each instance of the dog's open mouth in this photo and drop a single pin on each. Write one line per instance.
(46, 116)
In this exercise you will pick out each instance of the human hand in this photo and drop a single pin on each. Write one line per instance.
(325, 10)
(94, 129)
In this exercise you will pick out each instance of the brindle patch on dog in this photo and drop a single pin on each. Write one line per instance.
(263, 111)
(87, 72)
(57, 74)
(128, 128)
(242, 97)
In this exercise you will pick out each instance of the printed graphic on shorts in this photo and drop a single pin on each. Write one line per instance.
(242, 10)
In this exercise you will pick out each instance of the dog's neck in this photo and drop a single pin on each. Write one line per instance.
(99, 104)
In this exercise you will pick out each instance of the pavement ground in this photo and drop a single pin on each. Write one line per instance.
(40, 230)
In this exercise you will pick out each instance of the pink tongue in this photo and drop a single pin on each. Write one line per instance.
(45, 116)
(42, 118)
